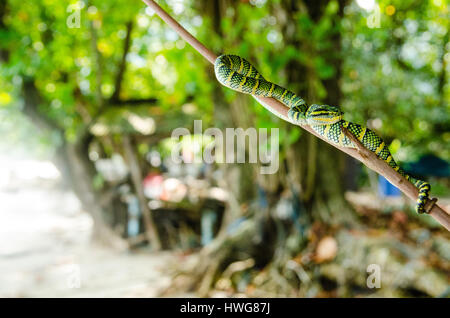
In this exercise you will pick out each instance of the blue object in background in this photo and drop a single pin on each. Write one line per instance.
(207, 226)
(133, 216)
(234, 226)
(428, 166)
(386, 189)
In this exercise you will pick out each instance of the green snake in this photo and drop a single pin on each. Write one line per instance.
(238, 74)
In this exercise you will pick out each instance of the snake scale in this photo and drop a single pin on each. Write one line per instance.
(238, 74)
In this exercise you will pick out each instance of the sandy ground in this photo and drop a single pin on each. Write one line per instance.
(45, 251)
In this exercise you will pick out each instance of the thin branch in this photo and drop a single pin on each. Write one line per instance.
(443, 73)
(151, 101)
(134, 102)
(207, 54)
(275, 107)
(99, 62)
(123, 62)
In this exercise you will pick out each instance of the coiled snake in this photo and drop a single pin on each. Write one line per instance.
(238, 74)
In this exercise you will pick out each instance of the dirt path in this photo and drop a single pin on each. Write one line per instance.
(45, 251)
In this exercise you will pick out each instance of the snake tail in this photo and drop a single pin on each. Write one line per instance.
(335, 134)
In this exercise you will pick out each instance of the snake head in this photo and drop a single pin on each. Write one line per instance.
(323, 115)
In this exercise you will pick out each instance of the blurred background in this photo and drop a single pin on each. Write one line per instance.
(91, 203)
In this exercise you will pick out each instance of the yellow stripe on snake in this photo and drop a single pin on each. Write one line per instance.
(238, 74)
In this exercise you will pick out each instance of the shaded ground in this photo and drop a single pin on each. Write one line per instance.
(45, 250)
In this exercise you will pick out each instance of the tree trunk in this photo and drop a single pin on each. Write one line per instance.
(136, 177)
(322, 165)
(75, 160)
(233, 174)
(77, 170)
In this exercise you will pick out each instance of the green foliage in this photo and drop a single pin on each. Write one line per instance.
(391, 75)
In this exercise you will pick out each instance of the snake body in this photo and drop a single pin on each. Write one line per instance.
(238, 74)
